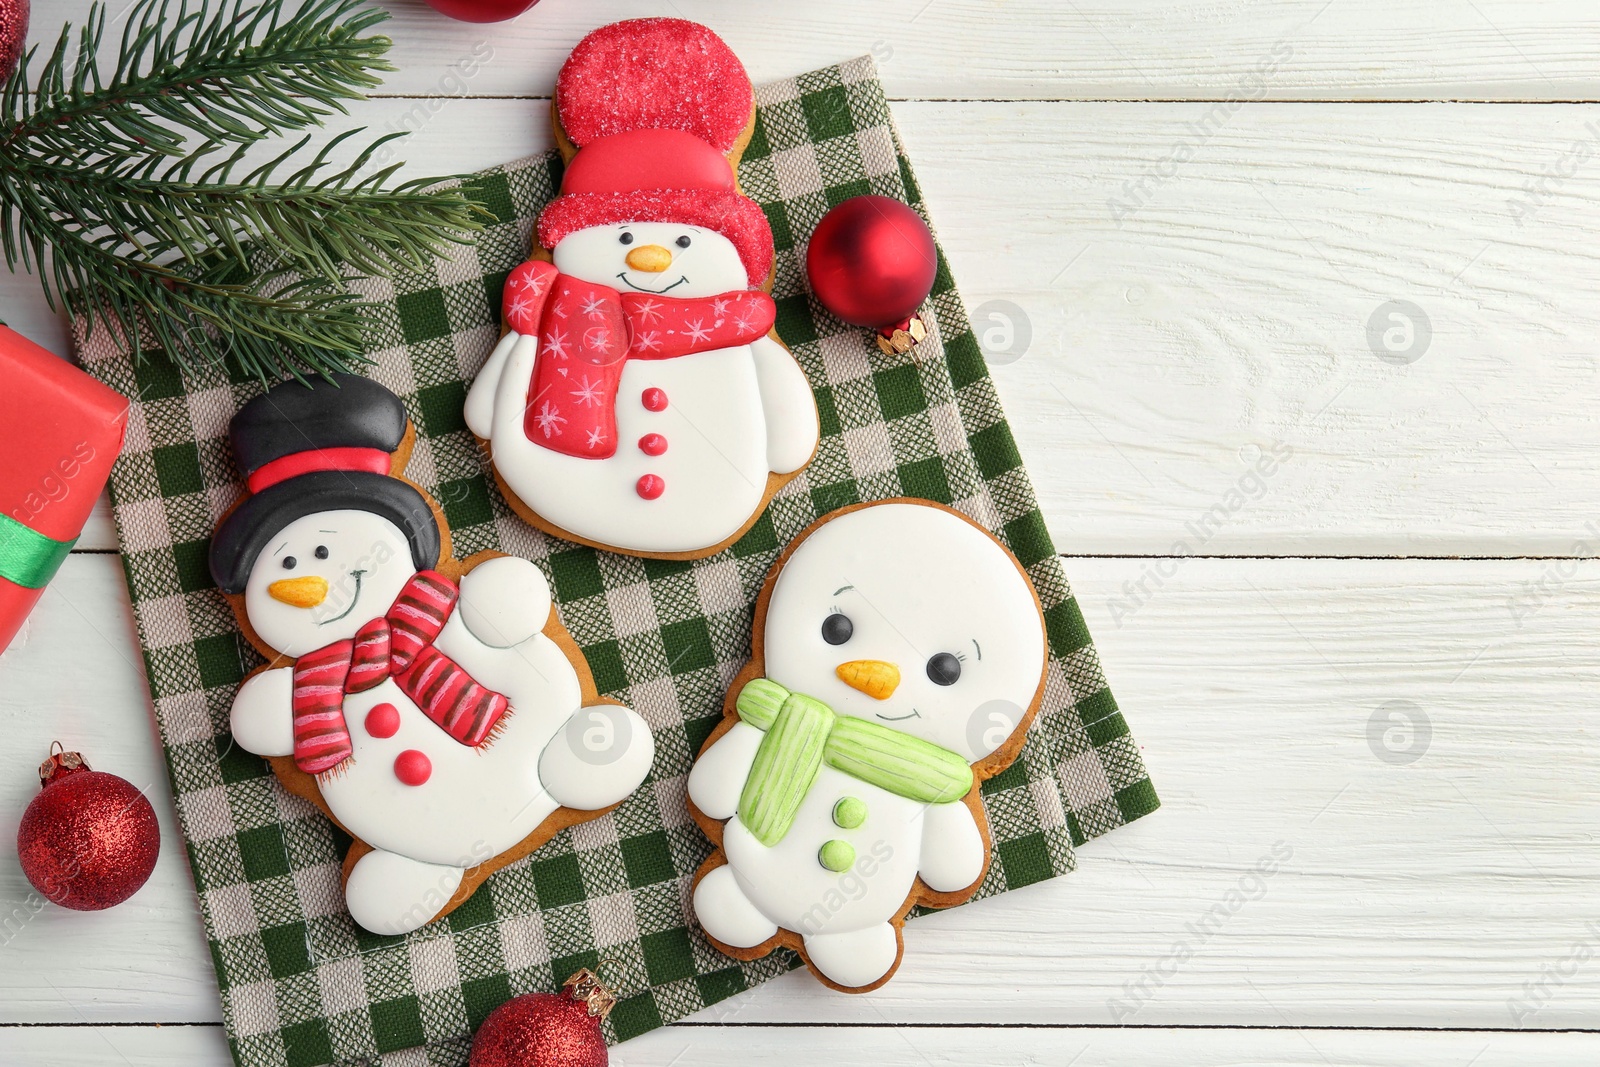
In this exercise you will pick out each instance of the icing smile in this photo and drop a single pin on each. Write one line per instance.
(355, 598)
(683, 279)
(915, 714)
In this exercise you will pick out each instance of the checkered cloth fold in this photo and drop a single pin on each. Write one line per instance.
(301, 984)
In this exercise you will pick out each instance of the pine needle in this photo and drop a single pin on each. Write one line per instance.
(126, 190)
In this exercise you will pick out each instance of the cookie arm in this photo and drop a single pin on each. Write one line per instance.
(522, 302)
(262, 718)
(598, 758)
(790, 407)
(952, 848)
(504, 601)
(717, 778)
(508, 441)
(479, 410)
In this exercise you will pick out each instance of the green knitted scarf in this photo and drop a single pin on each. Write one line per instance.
(803, 733)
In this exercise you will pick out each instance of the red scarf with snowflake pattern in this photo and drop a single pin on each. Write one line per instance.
(588, 332)
(396, 645)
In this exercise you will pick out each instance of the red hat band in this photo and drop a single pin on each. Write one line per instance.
(295, 464)
(647, 159)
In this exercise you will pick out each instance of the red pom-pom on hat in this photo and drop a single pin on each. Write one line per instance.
(654, 74)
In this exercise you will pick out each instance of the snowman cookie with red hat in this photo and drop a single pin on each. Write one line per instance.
(640, 400)
(437, 710)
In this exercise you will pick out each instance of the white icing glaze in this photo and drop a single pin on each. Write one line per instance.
(504, 601)
(368, 562)
(791, 408)
(717, 777)
(922, 581)
(479, 410)
(391, 894)
(259, 719)
(953, 856)
(715, 466)
(858, 958)
(477, 802)
(600, 756)
(725, 911)
(786, 882)
(710, 266)
(732, 416)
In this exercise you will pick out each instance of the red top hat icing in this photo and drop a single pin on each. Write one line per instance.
(654, 105)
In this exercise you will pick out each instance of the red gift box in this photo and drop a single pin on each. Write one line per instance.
(61, 431)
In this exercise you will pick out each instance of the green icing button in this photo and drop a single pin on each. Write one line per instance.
(850, 812)
(837, 856)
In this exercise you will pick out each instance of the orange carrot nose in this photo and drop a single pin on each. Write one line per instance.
(873, 677)
(306, 592)
(652, 258)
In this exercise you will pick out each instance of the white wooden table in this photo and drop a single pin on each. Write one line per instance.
(1381, 661)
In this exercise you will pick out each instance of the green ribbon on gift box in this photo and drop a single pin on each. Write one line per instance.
(27, 557)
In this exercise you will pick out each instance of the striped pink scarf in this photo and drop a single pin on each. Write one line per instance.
(397, 645)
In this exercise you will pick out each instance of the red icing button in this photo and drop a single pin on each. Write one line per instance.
(654, 399)
(413, 767)
(652, 444)
(651, 486)
(383, 720)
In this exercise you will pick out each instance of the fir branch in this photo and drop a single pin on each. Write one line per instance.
(98, 185)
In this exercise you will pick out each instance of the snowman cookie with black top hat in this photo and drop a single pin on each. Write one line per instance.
(436, 710)
(640, 400)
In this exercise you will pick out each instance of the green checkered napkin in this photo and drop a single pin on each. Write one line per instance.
(301, 984)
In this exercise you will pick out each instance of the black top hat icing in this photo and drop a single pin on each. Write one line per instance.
(316, 446)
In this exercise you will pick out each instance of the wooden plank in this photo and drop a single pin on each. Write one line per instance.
(1228, 309)
(1231, 309)
(1043, 49)
(863, 1047)
(75, 677)
(130, 1046)
(1442, 892)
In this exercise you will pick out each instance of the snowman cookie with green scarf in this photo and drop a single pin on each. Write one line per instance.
(898, 660)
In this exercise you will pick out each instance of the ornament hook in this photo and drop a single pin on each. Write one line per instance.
(586, 986)
(60, 762)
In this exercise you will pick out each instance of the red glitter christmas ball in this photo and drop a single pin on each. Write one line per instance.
(89, 840)
(13, 34)
(481, 10)
(547, 1029)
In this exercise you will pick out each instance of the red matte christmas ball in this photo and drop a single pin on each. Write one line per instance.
(481, 10)
(548, 1029)
(13, 34)
(89, 840)
(872, 261)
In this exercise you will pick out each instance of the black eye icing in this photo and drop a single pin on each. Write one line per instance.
(943, 669)
(684, 242)
(289, 563)
(837, 628)
(321, 552)
(626, 238)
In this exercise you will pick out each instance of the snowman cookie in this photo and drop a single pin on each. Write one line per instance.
(640, 400)
(898, 659)
(436, 710)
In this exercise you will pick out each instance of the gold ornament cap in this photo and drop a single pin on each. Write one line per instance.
(587, 988)
(902, 337)
(60, 763)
